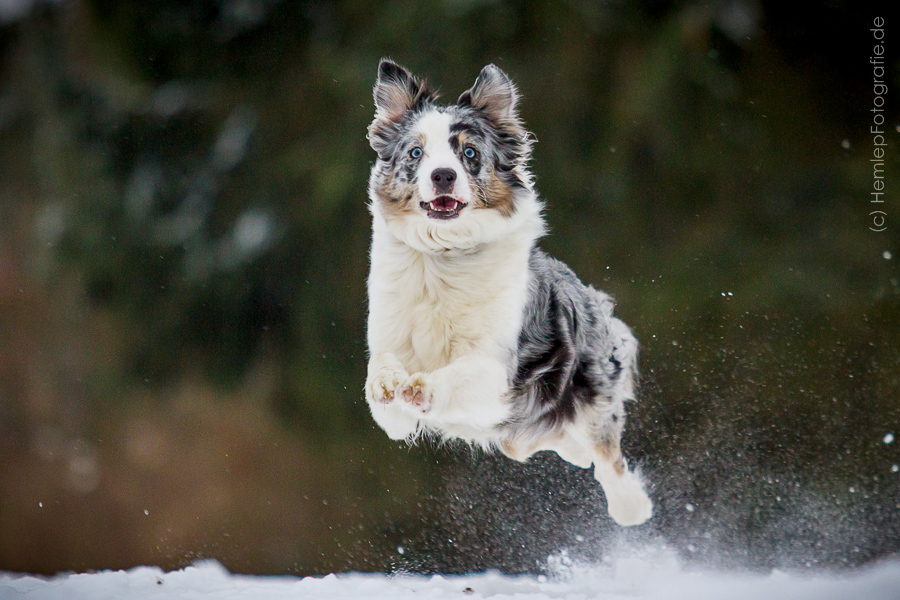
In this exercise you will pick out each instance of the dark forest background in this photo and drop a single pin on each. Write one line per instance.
(183, 254)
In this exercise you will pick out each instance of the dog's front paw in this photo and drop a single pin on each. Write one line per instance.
(382, 388)
(418, 393)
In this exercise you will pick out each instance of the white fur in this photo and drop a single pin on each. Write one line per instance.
(434, 127)
(626, 500)
(449, 316)
(446, 300)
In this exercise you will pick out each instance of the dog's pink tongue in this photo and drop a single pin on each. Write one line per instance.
(444, 203)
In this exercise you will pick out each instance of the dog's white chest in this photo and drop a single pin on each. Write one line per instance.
(444, 318)
(431, 333)
(431, 311)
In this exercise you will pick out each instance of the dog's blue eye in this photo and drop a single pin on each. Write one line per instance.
(416, 152)
(469, 152)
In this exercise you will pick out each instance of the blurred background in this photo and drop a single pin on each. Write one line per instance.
(183, 254)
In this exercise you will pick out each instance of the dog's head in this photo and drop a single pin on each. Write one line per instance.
(449, 177)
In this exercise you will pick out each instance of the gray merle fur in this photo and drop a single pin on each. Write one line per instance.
(572, 352)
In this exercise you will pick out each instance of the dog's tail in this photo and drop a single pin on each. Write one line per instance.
(625, 352)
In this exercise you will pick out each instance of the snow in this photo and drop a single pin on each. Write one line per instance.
(655, 578)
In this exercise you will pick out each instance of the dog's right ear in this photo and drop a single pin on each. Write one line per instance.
(396, 92)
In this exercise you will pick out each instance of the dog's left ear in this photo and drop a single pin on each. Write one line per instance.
(494, 93)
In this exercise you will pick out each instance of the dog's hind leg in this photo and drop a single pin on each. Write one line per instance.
(627, 501)
(568, 447)
(594, 438)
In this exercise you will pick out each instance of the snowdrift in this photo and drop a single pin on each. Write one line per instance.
(628, 578)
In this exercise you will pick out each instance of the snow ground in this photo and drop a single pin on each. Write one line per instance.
(633, 578)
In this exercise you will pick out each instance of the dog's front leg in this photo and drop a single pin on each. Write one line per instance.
(383, 381)
(469, 391)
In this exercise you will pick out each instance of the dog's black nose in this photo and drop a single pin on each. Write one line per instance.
(443, 179)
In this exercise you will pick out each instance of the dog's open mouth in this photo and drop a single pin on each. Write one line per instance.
(443, 207)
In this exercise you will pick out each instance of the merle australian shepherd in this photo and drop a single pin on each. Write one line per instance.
(473, 332)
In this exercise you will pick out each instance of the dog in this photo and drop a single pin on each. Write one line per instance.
(473, 332)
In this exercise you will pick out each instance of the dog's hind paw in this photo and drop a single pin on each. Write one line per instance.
(627, 502)
(418, 393)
